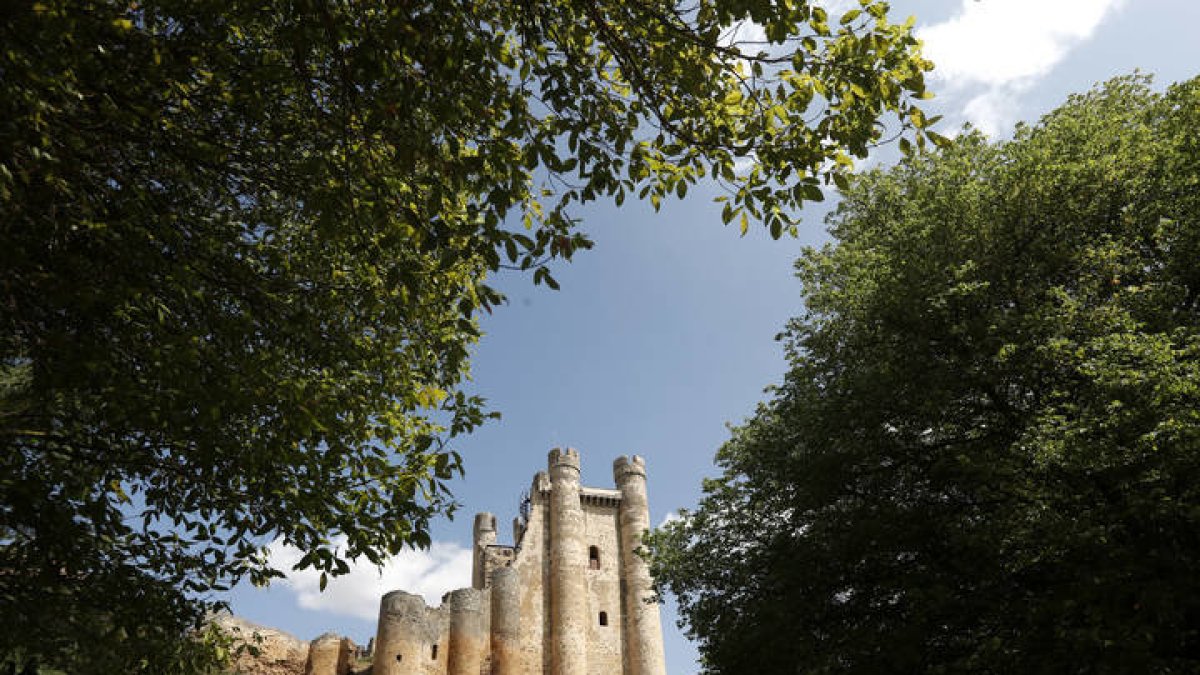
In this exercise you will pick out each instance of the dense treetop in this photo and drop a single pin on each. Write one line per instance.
(245, 244)
(986, 454)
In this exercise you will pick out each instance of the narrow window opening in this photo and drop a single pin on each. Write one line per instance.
(434, 653)
(603, 618)
(399, 658)
(594, 557)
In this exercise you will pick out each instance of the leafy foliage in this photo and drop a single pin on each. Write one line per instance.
(986, 454)
(245, 246)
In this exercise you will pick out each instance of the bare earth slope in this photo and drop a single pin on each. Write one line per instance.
(279, 653)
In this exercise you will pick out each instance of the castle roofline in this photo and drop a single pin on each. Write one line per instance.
(588, 493)
(603, 493)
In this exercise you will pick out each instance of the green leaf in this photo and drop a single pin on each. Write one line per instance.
(939, 140)
(992, 384)
(286, 216)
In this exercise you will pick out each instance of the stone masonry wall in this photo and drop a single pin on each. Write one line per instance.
(605, 654)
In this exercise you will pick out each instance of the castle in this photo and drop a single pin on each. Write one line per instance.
(569, 597)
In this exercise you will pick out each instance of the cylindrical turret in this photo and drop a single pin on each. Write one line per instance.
(506, 622)
(468, 632)
(568, 560)
(324, 655)
(485, 536)
(400, 638)
(643, 626)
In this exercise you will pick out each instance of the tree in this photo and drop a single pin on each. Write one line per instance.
(985, 454)
(245, 246)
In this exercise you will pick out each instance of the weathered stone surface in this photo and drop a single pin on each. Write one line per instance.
(506, 623)
(568, 562)
(643, 627)
(484, 536)
(411, 638)
(468, 631)
(568, 597)
(330, 654)
(279, 653)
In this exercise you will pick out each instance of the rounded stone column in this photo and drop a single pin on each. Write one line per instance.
(568, 560)
(484, 536)
(324, 655)
(399, 640)
(468, 632)
(506, 622)
(643, 625)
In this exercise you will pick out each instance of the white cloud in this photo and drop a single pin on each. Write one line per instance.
(671, 517)
(1003, 47)
(992, 111)
(431, 573)
(747, 36)
(838, 7)
(997, 42)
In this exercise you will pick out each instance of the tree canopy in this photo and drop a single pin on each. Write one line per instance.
(245, 246)
(985, 456)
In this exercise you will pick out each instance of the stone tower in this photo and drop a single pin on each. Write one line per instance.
(569, 597)
(643, 626)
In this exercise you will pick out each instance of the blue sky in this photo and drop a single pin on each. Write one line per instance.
(664, 332)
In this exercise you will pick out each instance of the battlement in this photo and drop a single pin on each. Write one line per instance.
(568, 457)
(628, 466)
(485, 522)
(541, 482)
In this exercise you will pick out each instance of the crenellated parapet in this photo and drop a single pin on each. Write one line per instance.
(567, 458)
(541, 483)
(624, 467)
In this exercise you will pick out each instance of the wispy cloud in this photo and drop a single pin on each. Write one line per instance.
(992, 51)
(671, 517)
(431, 573)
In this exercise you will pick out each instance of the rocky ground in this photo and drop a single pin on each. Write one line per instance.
(279, 653)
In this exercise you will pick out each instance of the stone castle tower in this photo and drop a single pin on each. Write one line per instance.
(569, 597)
